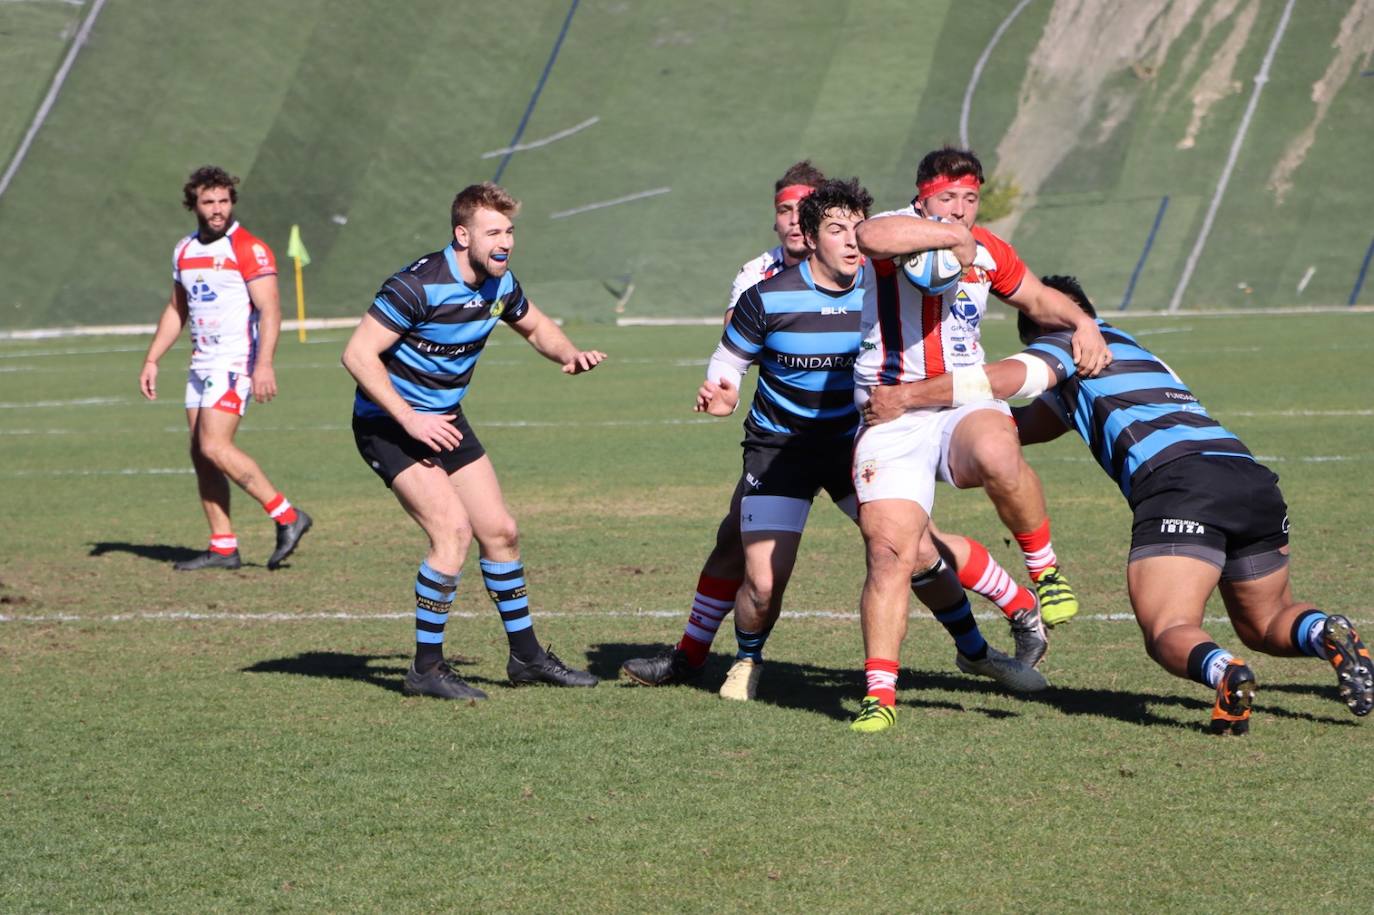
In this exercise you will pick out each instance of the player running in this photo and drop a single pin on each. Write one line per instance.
(413, 356)
(1207, 515)
(908, 335)
(802, 328)
(224, 285)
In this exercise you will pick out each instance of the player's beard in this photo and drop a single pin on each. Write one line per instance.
(208, 234)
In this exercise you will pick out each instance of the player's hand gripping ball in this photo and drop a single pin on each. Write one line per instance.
(932, 272)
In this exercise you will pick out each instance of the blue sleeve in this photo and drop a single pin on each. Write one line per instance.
(1056, 350)
(748, 326)
(400, 303)
(514, 304)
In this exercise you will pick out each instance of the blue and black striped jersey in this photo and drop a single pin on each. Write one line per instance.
(1137, 415)
(444, 324)
(804, 339)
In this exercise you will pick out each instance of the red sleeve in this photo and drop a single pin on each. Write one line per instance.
(253, 256)
(1010, 271)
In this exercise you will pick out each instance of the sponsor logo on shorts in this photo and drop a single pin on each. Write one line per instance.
(753, 481)
(1285, 524)
(867, 471)
(1181, 526)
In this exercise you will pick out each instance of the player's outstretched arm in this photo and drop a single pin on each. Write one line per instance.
(900, 235)
(1053, 310)
(263, 292)
(168, 329)
(549, 341)
(363, 359)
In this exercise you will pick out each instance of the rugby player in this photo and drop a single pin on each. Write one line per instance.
(909, 335)
(413, 355)
(224, 285)
(1207, 515)
(801, 327)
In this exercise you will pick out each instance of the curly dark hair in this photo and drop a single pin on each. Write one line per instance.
(846, 196)
(802, 172)
(1028, 330)
(208, 176)
(951, 161)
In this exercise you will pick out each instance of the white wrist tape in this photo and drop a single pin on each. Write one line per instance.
(970, 386)
(1038, 376)
(725, 364)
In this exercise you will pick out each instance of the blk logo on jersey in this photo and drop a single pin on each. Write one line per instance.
(1181, 526)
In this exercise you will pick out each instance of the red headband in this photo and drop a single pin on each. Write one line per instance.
(792, 192)
(945, 182)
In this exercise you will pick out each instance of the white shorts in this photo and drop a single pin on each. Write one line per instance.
(903, 458)
(227, 392)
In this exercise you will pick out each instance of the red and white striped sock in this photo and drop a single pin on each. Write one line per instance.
(280, 510)
(712, 603)
(984, 575)
(223, 544)
(1039, 552)
(881, 675)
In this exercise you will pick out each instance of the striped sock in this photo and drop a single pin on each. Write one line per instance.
(280, 510)
(713, 601)
(1037, 549)
(983, 575)
(1307, 633)
(959, 623)
(881, 676)
(751, 643)
(433, 600)
(505, 583)
(224, 544)
(1206, 663)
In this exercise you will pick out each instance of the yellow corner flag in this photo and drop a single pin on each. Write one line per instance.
(295, 249)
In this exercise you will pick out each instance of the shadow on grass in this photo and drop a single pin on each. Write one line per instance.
(375, 669)
(826, 690)
(158, 552)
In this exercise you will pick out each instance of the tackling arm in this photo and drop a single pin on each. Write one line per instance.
(900, 235)
(169, 327)
(549, 341)
(1053, 310)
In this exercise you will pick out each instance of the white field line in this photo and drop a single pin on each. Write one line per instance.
(978, 71)
(119, 472)
(652, 192)
(1261, 78)
(111, 330)
(79, 402)
(178, 616)
(535, 144)
(48, 100)
(38, 353)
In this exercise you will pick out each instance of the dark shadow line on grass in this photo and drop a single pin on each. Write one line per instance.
(158, 552)
(338, 665)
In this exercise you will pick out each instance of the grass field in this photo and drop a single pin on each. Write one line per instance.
(238, 741)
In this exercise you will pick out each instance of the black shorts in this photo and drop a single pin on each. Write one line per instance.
(389, 450)
(1223, 510)
(799, 472)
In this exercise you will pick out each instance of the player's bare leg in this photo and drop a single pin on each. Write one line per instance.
(984, 451)
(211, 482)
(1268, 619)
(214, 432)
(476, 487)
(1168, 594)
(769, 558)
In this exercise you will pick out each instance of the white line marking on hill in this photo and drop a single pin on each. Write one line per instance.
(1260, 79)
(653, 192)
(978, 71)
(535, 144)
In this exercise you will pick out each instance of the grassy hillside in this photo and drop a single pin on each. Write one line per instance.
(359, 121)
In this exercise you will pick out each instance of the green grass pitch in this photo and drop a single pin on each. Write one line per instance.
(238, 741)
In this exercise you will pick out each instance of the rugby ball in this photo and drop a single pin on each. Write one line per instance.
(933, 272)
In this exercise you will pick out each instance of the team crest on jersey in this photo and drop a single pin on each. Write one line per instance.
(965, 309)
(261, 254)
(218, 262)
(497, 307)
(867, 471)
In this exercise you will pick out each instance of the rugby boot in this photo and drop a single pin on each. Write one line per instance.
(440, 682)
(209, 560)
(1057, 601)
(663, 669)
(742, 680)
(1235, 695)
(1028, 632)
(873, 716)
(547, 668)
(1008, 671)
(1349, 656)
(288, 536)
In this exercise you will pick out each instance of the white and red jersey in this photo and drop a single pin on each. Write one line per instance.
(908, 335)
(222, 317)
(769, 263)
